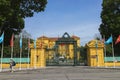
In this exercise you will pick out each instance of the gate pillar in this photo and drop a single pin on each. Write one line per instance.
(37, 58)
(42, 58)
(95, 53)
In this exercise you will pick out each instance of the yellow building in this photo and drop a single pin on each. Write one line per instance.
(49, 51)
(63, 50)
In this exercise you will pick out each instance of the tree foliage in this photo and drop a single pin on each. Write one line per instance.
(110, 16)
(83, 54)
(13, 12)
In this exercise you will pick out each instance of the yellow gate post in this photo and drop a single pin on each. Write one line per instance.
(95, 53)
(37, 55)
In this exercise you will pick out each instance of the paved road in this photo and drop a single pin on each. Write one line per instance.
(63, 73)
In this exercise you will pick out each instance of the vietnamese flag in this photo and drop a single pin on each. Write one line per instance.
(12, 41)
(118, 40)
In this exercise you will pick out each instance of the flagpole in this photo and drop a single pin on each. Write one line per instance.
(1, 57)
(35, 59)
(110, 40)
(28, 52)
(1, 41)
(11, 44)
(35, 54)
(105, 51)
(20, 50)
(20, 58)
(113, 54)
(11, 52)
(105, 55)
(28, 58)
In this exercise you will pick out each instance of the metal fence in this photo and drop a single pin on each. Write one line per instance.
(17, 60)
(109, 59)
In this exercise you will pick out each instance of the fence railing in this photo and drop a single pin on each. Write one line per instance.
(17, 60)
(109, 59)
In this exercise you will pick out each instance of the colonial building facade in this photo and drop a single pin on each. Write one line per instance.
(55, 51)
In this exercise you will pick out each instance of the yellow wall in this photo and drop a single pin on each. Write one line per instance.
(92, 52)
(49, 43)
(38, 56)
(112, 64)
(17, 65)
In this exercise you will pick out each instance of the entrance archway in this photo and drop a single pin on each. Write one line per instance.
(65, 52)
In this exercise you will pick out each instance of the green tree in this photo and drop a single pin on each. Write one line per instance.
(16, 47)
(13, 12)
(110, 16)
(83, 54)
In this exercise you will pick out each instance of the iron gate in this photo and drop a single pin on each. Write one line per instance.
(64, 52)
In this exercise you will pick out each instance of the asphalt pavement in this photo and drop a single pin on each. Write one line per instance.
(62, 73)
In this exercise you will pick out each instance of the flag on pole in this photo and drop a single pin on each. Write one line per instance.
(20, 49)
(11, 45)
(12, 41)
(118, 40)
(2, 37)
(109, 40)
(21, 40)
(35, 53)
(28, 52)
(1, 41)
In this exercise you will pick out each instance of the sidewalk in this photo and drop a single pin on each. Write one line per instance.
(18, 69)
(62, 73)
(15, 69)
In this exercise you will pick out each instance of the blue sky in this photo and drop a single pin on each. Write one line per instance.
(78, 17)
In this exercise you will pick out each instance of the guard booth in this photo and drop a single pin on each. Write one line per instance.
(95, 53)
(64, 52)
(37, 56)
